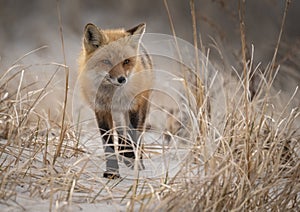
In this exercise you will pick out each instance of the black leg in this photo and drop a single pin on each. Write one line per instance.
(105, 124)
(136, 119)
(126, 145)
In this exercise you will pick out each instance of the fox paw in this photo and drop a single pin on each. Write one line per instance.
(111, 175)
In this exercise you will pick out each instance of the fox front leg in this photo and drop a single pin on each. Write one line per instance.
(137, 121)
(128, 140)
(105, 125)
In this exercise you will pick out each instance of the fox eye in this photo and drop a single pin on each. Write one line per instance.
(106, 62)
(126, 61)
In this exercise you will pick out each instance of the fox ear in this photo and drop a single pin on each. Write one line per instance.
(93, 37)
(136, 33)
(139, 29)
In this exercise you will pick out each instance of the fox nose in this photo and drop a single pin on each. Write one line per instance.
(121, 80)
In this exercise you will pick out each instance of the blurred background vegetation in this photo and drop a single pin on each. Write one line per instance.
(25, 25)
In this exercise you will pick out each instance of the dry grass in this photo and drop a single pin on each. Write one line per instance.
(256, 165)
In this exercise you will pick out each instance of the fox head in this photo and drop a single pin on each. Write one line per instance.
(111, 54)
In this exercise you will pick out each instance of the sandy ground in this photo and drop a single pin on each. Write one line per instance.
(97, 192)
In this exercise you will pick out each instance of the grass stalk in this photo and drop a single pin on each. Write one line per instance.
(63, 124)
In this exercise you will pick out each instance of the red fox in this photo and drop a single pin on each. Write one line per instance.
(114, 78)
